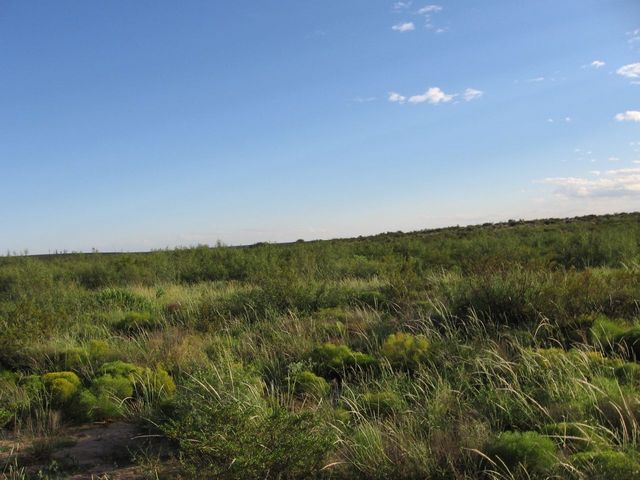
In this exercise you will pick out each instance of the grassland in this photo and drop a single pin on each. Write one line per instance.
(501, 351)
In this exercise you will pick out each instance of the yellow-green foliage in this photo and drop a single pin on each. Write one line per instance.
(333, 359)
(531, 451)
(404, 350)
(309, 384)
(99, 350)
(162, 382)
(117, 386)
(607, 465)
(122, 369)
(381, 403)
(62, 386)
(576, 437)
(75, 357)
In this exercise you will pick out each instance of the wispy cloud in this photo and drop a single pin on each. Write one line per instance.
(630, 71)
(403, 27)
(402, 5)
(633, 37)
(612, 183)
(364, 99)
(597, 64)
(433, 95)
(628, 116)
(429, 9)
(395, 97)
(472, 94)
(535, 79)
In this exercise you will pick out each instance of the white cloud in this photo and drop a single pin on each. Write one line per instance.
(403, 27)
(630, 71)
(633, 36)
(364, 99)
(613, 159)
(433, 95)
(429, 9)
(471, 94)
(402, 5)
(396, 97)
(536, 79)
(612, 183)
(597, 64)
(628, 116)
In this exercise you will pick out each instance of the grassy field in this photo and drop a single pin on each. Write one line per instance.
(501, 351)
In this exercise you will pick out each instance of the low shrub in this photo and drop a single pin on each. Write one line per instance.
(137, 321)
(575, 437)
(381, 403)
(334, 360)
(523, 451)
(62, 386)
(307, 383)
(406, 351)
(607, 465)
(628, 343)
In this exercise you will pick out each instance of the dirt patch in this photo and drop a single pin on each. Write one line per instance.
(86, 452)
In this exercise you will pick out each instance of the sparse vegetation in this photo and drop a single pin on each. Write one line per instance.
(497, 351)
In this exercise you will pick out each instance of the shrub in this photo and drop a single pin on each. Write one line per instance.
(162, 382)
(122, 369)
(333, 360)
(406, 351)
(381, 403)
(232, 434)
(628, 373)
(528, 451)
(307, 383)
(629, 343)
(113, 386)
(607, 465)
(575, 436)
(62, 386)
(137, 321)
(98, 350)
(604, 331)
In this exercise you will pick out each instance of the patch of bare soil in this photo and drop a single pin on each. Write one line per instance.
(95, 451)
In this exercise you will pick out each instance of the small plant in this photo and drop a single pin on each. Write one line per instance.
(333, 360)
(629, 343)
(307, 383)
(575, 437)
(523, 451)
(62, 386)
(381, 403)
(406, 351)
(137, 321)
(607, 465)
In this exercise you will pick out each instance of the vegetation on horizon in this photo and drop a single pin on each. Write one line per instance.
(501, 351)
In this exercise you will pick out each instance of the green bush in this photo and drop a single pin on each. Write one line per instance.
(628, 373)
(575, 437)
(307, 383)
(381, 403)
(137, 321)
(523, 451)
(628, 342)
(333, 360)
(119, 368)
(607, 465)
(604, 331)
(118, 387)
(62, 386)
(404, 350)
(232, 434)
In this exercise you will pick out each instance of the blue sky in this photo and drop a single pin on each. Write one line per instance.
(138, 125)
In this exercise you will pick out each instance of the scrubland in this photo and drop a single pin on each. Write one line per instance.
(500, 351)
